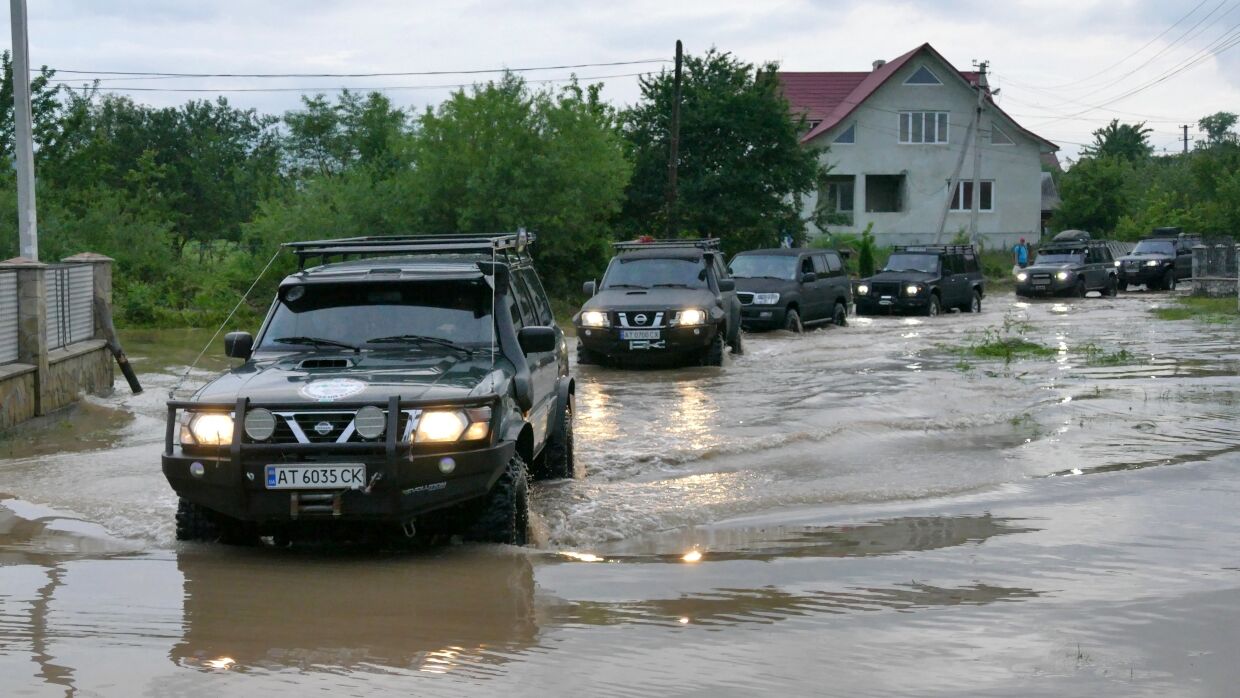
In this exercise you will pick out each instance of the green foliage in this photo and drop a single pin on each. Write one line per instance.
(1218, 127)
(865, 253)
(1115, 140)
(1095, 194)
(1208, 310)
(741, 170)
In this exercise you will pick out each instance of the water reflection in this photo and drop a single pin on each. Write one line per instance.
(457, 611)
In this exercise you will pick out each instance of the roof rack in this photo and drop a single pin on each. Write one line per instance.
(710, 244)
(933, 248)
(509, 247)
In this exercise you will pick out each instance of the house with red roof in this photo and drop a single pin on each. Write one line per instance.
(899, 140)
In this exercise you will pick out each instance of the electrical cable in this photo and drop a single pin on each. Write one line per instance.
(477, 71)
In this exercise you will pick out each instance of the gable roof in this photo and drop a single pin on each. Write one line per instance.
(830, 97)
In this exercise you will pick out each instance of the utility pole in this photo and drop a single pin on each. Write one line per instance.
(1185, 139)
(674, 151)
(27, 228)
(977, 150)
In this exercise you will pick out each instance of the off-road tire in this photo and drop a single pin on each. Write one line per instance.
(738, 344)
(792, 321)
(557, 461)
(506, 509)
(198, 524)
(1122, 287)
(1112, 288)
(975, 304)
(585, 357)
(839, 315)
(1079, 291)
(933, 308)
(1168, 281)
(712, 355)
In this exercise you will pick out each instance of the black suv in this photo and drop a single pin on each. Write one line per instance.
(789, 288)
(925, 279)
(660, 301)
(407, 386)
(1071, 264)
(1158, 261)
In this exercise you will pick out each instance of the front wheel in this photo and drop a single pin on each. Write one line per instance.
(197, 523)
(839, 316)
(975, 304)
(557, 461)
(1112, 289)
(792, 321)
(737, 344)
(505, 517)
(1169, 280)
(1079, 291)
(713, 354)
(932, 309)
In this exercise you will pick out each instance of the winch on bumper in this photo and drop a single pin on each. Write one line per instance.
(399, 481)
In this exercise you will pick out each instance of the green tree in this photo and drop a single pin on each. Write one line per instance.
(741, 170)
(1095, 193)
(1218, 127)
(1127, 141)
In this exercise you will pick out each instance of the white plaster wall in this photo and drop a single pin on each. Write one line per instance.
(1015, 169)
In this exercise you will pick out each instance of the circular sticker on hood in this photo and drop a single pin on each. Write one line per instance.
(332, 389)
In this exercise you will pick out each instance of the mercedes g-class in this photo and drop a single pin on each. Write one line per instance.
(416, 383)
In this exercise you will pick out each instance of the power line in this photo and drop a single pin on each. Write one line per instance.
(162, 74)
(340, 88)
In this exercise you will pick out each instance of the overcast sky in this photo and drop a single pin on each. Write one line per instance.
(1052, 58)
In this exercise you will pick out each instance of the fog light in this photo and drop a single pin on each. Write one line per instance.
(447, 465)
(197, 469)
(370, 422)
(697, 332)
(260, 424)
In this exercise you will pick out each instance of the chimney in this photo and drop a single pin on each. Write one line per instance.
(879, 63)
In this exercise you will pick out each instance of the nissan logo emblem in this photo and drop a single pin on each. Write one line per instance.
(323, 428)
(640, 318)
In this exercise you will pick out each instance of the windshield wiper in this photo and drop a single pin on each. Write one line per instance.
(622, 286)
(672, 286)
(315, 342)
(421, 339)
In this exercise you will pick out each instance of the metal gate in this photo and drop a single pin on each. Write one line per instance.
(8, 317)
(70, 304)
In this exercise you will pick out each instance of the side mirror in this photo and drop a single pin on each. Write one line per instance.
(238, 345)
(536, 340)
(808, 276)
(727, 285)
(589, 287)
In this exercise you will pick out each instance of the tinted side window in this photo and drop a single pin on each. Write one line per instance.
(716, 261)
(970, 263)
(541, 305)
(807, 265)
(951, 264)
(833, 263)
(820, 265)
(522, 295)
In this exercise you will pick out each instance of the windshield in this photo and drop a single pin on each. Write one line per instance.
(649, 272)
(1060, 257)
(903, 261)
(1154, 247)
(764, 266)
(340, 316)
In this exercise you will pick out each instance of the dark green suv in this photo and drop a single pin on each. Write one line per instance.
(924, 280)
(414, 385)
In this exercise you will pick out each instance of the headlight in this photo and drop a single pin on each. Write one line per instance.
(912, 289)
(441, 426)
(765, 298)
(863, 289)
(1153, 263)
(1022, 276)
(594, 318)
(692, 316)
(207, 428)
(1062, 276)
(1118, 263)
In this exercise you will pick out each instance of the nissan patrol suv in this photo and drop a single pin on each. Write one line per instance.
(660, 301)
(924, 279)
(1071, 264)
(790, 288)
(1159, 261)
(413, 384)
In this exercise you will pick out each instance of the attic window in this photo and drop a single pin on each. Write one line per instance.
(848, 136)
(998, 137)
(923, 76)
(813, 123)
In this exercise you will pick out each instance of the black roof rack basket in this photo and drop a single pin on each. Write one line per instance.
(962, 249)
(709, 244)
(507, 247)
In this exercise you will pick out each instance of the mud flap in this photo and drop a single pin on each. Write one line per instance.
(563, 389)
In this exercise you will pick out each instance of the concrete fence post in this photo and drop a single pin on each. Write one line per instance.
(32, 322)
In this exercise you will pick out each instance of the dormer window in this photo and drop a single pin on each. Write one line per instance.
(923, 76)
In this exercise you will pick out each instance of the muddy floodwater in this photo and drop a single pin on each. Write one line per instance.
(857, 511)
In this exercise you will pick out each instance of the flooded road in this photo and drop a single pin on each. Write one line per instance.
(857, 511)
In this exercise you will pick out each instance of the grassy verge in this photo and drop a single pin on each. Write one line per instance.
(1211, 310)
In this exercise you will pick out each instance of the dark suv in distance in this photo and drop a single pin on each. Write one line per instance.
(924, 279)
(1071, 264)
(415, 385)
(1159, 261)
(660, 301)
(789, 288)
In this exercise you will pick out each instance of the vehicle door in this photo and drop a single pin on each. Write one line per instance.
(1095, 274)
(542, 305)
(544, 366)
(949, 287)
(839, 285)
(825, 286)
(972, 275)
(1184, 259)
(814, 302)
